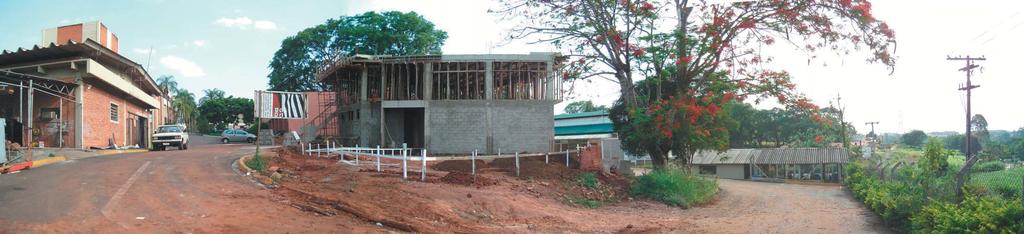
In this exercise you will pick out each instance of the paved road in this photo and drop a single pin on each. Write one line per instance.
(195, 190)
(761, 207)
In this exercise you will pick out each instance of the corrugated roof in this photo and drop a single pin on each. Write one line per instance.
(772, 156)
(732, 156)
(584, 129)
(71, 49)
(802, 156)
(581, 115)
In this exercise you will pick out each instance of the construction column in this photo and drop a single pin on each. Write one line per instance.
(489, 92)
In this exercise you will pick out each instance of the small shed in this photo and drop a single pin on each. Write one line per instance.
(731, 164)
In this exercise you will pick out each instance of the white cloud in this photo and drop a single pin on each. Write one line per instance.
(183, 66)
(240, 22)
(265, 25)
(244, 23)
(200, 43)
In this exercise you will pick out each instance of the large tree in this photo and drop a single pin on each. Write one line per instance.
(583, 106)
(914, 138)
(695, 56)
(220, 111)
(295, 64)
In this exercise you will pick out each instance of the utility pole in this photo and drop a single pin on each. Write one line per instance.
(874, 137)
(971, 158)
(839, 107)
(872, 128)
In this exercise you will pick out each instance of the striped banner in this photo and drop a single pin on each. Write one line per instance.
(280, 105)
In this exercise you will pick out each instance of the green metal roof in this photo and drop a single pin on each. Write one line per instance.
(581, 115)
(584, 129)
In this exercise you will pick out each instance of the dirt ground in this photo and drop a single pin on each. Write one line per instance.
(542, 200)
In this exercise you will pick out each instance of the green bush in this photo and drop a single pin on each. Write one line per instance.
(974, 215)
(675, 187)
(588, 179)
(257, 163)
(989, 166)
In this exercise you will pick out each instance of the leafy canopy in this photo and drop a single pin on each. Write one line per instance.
(294, 65)
(693, 57)
(583, 106)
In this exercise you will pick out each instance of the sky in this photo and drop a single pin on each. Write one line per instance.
(228, 45)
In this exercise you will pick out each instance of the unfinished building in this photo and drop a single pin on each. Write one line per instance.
(448, 104)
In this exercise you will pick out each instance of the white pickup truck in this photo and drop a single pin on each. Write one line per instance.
(170, 136)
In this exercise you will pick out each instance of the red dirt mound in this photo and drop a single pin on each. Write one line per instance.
(459, 166)
(536, 169)
(462, 178)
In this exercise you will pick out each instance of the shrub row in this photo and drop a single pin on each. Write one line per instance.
(919, 202)
(675, 187)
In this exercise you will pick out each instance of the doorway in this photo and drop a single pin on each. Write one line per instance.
(403, 125)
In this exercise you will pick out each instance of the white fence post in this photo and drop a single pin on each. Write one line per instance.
(546, 157)
(472, 159)
(405, 164)
(517, 163)
(318, 150)
(378, 158)
(423, 170)
(566, 157)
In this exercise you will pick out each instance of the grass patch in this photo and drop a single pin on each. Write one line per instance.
(588, 180)
(257, 163)
(675, 187)
(989, 166)
(586, 202)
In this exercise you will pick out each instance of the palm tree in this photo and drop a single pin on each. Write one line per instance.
(211, 94)
(184, 105)
(168, 85)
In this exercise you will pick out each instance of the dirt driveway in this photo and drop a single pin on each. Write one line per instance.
(759, 207)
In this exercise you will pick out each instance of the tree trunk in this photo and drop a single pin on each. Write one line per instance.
(657, 157)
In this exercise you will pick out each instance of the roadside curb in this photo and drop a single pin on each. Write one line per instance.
(113, 152)
(47, 161)
(262, 180)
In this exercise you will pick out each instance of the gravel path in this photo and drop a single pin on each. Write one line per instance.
(759, 207)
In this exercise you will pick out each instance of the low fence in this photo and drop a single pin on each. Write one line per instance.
(420, 156)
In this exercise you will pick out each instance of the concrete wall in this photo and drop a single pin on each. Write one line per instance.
(462, 126)
(731, 171)
(458, 126)
(523, 125)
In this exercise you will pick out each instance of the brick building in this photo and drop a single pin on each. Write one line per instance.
(448, 104)
(321, 120)
(75, 90)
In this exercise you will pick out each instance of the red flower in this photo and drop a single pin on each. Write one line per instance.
(819, 138)
(747, 23)
(638, 52)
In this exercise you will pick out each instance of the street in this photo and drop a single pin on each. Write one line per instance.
(192, 191)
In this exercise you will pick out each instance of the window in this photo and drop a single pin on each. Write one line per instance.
(113, 112)
(708, 170)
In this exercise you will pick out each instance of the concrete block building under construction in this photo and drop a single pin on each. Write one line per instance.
(448, 104)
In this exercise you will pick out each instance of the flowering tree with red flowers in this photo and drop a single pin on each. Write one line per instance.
(693, 58)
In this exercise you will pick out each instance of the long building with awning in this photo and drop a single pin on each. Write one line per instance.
(74, 90)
